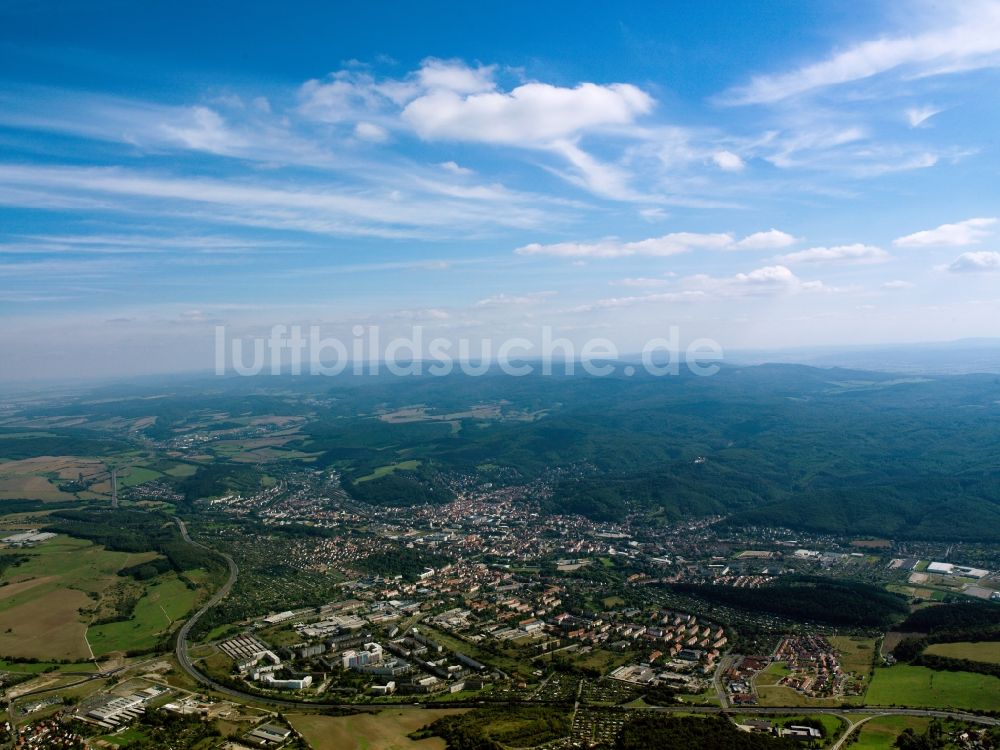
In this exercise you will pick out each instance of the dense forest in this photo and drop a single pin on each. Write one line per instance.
(807, 598)
(685, 733)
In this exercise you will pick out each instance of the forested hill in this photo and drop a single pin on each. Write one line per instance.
(826, 450)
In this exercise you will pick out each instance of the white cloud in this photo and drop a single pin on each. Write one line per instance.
(532, 114)
(844, 254)
(455, 168)
(640, 282)
(669, 244)
(642, 299)
(344, 96)
(204, 130)
(972, 40)
(917, 116)
(978, 262)
(772, 239)
(767, 281)
(369, 131)
(454, 75)
(503, 300)
(896, 286)
(728, 161)
(968, 232)
(653, 214)
(451, 101)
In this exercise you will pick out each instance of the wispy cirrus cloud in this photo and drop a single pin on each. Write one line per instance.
(768, 281)
(315, 208)
(969, 39)
(917, 116)
(674, 243)
(503, 299)
(640, 282)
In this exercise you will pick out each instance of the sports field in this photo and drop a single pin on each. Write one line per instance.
(905, 685)
(386, 730)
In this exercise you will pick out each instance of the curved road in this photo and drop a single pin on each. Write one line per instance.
(186, 664)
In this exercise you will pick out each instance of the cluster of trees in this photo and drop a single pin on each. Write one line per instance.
(494, 728)
(164, 729)
(950, 623)
(959, 621)
(219, 478)
(148, 570)
(12, 560)
(685, 733)
(30, 506)
(810, 598)
(133, 531)
(401, 561)
(418, 487)
(932, 739)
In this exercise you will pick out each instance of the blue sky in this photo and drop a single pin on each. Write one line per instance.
(768, 175)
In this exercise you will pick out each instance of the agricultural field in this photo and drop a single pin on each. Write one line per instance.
(39, 478)
(906, 685)
(984, 651)
(385, 730)
(40, 607)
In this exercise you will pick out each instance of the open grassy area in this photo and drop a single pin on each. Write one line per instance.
(906, 685)
(779, 695)
(856, 654)
(774, 672)
(881, 732)
(382, 471)
(984, 651)
(43, 666)
(386, 730)
(40, 606)
(160, 607)
(137, 475)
